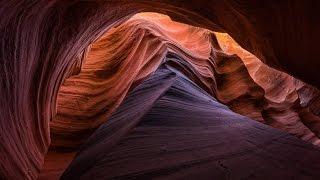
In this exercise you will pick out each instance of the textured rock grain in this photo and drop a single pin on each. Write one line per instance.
(45, 45)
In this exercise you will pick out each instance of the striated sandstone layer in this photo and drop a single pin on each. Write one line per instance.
(122, 57)
(181, 132)
(287, 100)
(47, 44)
(87, 99)
(251, 88)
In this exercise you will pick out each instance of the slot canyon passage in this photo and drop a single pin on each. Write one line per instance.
(159, 89)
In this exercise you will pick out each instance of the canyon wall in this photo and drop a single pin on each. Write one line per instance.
(47, 44)
(182, 132)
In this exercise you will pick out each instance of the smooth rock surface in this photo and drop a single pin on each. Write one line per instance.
(43, 43)
(181, 132)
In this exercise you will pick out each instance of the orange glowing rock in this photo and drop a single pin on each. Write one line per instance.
(66, 66)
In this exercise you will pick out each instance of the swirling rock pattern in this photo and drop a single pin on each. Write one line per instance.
(147, 38)
(85, 100)
(47, 44)
(180, 131)
(121, 57)
(285, 97)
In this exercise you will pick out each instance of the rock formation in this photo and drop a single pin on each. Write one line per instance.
(66, 66)
(201, 139)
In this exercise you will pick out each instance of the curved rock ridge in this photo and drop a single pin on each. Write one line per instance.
(290, 104)
(125, 55)
(43, 43)
(122, 57)
(181, 132)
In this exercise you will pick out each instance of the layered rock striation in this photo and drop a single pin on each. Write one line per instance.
(65, 66)
(180, 131)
